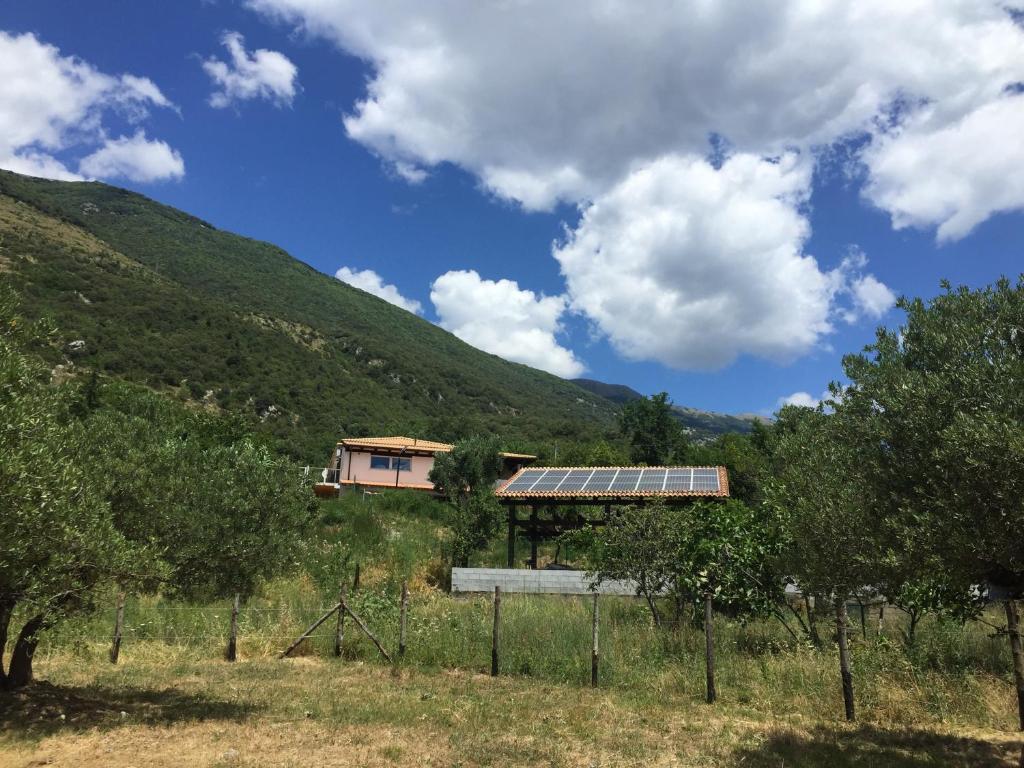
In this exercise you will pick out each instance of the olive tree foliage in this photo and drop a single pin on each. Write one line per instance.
(686, 553)
(58, 541)
(123, 486)
(465, 476)
(220, 509)
(940, 401)
(655, 436)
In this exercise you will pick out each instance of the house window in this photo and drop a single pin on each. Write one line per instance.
(387, 462)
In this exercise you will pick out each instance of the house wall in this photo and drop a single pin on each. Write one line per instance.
(357, 467)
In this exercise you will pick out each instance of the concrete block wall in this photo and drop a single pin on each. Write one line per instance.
(535, 582)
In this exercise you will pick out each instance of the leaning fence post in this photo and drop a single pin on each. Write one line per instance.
(115, 645)
(496, 633)
(339, 631)
(593, 645)
(709, 647)
(403, 618)
(232, 653)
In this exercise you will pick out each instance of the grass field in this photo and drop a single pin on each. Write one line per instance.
(172, 700)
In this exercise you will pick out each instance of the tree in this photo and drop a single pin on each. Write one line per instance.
(823, 516)
(654, 434)
(466, 476)
(939, 401)
(58, 541)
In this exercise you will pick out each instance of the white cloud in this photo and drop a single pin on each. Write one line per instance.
(548, 101)
(51, 103)
(950, 174)
(262, 74)
(371, 282)
(612, 105)
(136, 158)
(872, 297)
(692, 265)
(801, 399)
(499, 317)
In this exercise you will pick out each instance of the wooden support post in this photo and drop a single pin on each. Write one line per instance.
(115, 645)
(366, 630)
(881, 616)
(496, 632)
(232, 652)
(339, 630)
(402, 619)
(1014, 630)
(355, 580)
(709, 648)
(309, 631)
(844, 657)
(593, 644)
(863, 620)
(512, 519)
(533, 537)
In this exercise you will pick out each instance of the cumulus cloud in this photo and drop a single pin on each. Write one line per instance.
(693, 265)
(801, 399)
(602, 104)
(550, 101)
(371, 282)
(261, 74)
(136, 158)
(51, 103)
(499, 317)
(951, 174)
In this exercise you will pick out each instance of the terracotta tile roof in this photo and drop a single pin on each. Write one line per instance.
(412, 444)
(723, 487)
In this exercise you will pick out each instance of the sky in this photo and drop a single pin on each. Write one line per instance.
(714, 199)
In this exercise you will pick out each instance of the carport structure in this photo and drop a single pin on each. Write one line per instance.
(553, 489)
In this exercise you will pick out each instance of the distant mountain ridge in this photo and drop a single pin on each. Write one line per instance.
(701, 425)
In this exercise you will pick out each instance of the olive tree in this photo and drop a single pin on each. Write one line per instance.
(465, 476)
(940, 402)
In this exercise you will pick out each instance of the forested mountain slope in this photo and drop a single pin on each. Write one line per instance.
(145, 292)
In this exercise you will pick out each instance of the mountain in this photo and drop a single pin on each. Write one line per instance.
(700, 425)
(145, 292)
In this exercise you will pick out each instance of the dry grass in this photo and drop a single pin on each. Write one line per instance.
(167, 707)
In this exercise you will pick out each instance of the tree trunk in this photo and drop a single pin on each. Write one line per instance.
(19, 674)
(6, 611)
(1014, 630)
(844, 657)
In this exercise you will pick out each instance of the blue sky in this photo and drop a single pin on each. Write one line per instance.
(714, 205)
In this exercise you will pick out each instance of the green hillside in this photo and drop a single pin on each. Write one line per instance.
(163, 298)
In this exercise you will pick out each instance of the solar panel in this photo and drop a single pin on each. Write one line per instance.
(705, 480)
(626, 480)
(652, 480)
(679, 480)
(600, 480)
(575, 480)
(525, 480)
(550, 480)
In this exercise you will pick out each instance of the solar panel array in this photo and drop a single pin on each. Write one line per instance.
(599, 482)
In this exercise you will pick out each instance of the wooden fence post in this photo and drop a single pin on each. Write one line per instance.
(339, 631)
(844, 657)
(1017, 650)
(496, 633)
(709, 648)
(115, 645)
(232, 653)
(366, 630)
(355, 581)
(310, 630)
(403, 617)
(593, 644)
